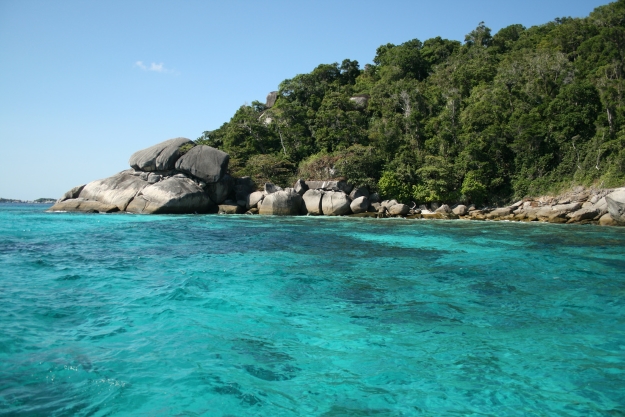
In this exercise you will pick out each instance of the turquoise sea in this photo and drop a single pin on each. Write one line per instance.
(207, 315)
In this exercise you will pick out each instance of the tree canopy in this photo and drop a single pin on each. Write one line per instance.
(524, 111)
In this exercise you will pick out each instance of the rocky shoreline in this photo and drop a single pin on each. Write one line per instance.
(179, 177)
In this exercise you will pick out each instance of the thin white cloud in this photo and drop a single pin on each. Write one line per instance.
(157, 67)
(160, 67)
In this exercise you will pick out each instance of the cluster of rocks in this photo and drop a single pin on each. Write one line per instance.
(327, 198)
(175, 176)
(583, 206)
(178, 176)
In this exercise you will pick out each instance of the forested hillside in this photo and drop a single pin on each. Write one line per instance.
(525, 111)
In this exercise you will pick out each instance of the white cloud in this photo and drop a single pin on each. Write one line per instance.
(160, 67)
(157, 67)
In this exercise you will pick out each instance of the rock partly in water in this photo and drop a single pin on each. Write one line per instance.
(117, 190)
(172, 196)
(607, 220)
(281, 203)
(398, 210)
(230, 209)
(205, 163)
(587, 213)
(82, 205)
(335, 203)
(160, 157)
(498, 212)
(616, 205)
(359, 205)
(312, 201)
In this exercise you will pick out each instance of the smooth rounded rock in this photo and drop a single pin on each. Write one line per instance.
(398, 210)
(117, 190)
(205, 163)
(359, 205)
(460, 210)
(335, 203)
(160, 157)
(281, 203)
(219, 191)
(312, 201)
(82, 205)
(616, 205)
(172, 196)
(359, 192)
(253, 199)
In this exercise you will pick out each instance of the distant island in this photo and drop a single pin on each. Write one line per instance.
(37, 201)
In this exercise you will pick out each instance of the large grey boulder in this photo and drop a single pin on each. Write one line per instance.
(359, 205)
(271, 99)
(300, 187)
(505, 211)
(460, 210)
(271, 188)
(616, 205)
(587, 213)
(359, 192)
(160, 157)
(567, 207)
(117, 190)
(172, 196)
(398, 210)
(312, 201)
(254, 199)
(335, 203)
(219, 191)
(389, 203)
(205, 163)
(281, 203)
(73, 193)
(443, 209)
(243, 187)
(607, 220)
(82, 205)
(330, 186)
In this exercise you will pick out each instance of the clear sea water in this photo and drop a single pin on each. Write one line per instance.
(207, 315)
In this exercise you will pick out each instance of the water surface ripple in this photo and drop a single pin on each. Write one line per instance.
(114, 315)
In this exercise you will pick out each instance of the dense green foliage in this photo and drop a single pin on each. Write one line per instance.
(522, 112)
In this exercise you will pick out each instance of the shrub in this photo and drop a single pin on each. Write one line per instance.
(268, 168)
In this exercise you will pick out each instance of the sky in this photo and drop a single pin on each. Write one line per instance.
(84, 84)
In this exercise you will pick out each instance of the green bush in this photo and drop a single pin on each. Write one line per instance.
(268, 168)
(391, 186)
(473, 190)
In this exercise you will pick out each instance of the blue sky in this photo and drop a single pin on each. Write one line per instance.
(84, 84)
